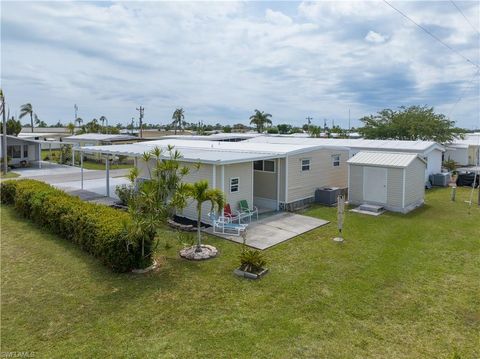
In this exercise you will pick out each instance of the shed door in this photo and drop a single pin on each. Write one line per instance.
(375, 184)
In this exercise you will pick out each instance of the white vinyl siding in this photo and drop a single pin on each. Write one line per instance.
(302, 184)
(405, 186)
(244, 172)
(414, 183)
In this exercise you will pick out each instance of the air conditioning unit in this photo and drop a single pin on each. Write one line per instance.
(327, 195)
(440, 179)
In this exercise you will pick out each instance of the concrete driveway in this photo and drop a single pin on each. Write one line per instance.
(68, 178)
(274, 229)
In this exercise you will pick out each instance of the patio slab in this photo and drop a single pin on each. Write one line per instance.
(274, 229)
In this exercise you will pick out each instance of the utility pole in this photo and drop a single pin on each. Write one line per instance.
(349, 128)
(309, 120)
(4, 142)
(140, 110)
(76, 113)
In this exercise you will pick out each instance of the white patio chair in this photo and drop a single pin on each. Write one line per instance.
(222, 225)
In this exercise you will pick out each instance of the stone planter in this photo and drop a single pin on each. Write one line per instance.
(146, 270)
(206, 252)
(241, 273)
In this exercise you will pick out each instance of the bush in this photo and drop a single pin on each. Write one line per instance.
(125, 193)
(252, 261)
(99, 230)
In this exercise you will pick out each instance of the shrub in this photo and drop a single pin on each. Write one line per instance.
(99, 230)
(125, 193)
(252, 261)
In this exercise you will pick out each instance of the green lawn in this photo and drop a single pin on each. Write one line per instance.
(89, 165)
(399, 287)
(8, 175)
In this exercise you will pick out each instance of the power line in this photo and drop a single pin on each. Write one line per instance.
(468, 87)
(466, 19)
(432, 35)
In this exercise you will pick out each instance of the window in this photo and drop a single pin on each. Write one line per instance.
(336, 160)
(234, 184)
(25, 151)
(305, 165)
(14, 151)
(265, 166)
(258, 165)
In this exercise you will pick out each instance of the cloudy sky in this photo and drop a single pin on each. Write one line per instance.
(221, 60)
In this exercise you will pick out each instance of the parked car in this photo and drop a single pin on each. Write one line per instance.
(467, 179)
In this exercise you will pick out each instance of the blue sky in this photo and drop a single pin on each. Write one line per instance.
(221, 60)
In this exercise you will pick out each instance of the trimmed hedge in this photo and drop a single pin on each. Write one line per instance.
(97, 229)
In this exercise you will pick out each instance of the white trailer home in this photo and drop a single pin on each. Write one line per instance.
(465, 152)
(21, 150)
(269, 176)
(394, 181)
(430, 151)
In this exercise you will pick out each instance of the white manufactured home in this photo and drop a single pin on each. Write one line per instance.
(394, 181)
(430, 151)
(465, 152)
(269, 176)
(22, 150)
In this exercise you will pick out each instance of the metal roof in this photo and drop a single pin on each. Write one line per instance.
(389, 145)
(213, 152)
(100, 137)
(384, 159)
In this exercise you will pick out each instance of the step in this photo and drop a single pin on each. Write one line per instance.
(371, 208)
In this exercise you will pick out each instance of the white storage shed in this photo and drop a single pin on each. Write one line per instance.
(395, 181)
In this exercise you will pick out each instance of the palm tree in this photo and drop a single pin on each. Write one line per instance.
(200, 192)
(71, 128)
(25, 110)
(79, 120)
(260, 119)
(177, 117)
(103, 119)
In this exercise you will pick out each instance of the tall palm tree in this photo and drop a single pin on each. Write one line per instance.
(79, 120)
(177, 117)
(260, 119)
(103, 120)
(200, 192)
(25, 110)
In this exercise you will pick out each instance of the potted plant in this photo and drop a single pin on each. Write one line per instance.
(252, 263)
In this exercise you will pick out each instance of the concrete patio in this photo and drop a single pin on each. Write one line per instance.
(272, 230)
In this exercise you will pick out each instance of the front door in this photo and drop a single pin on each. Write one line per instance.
(375, 184)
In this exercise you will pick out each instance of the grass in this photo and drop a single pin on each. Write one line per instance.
(89, 165)
(8, 175)
(401, 286)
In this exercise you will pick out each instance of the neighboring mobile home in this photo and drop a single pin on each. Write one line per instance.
(269, 176)
(21, 150)
(464, 152)
(430, 151)
(394, 181)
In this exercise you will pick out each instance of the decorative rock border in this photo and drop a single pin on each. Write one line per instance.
(146, 270)
(206, 252)
(182, 227)
(241, 273)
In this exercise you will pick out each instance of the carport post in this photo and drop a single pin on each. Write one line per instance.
(39, 155)
(73, 156)
(81, 168)
(278, 184)
(107, 170)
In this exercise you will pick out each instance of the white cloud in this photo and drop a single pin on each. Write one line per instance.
(375, 37)
(277, 17)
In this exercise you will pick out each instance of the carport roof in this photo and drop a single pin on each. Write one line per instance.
(384, 159)
(213, 152)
